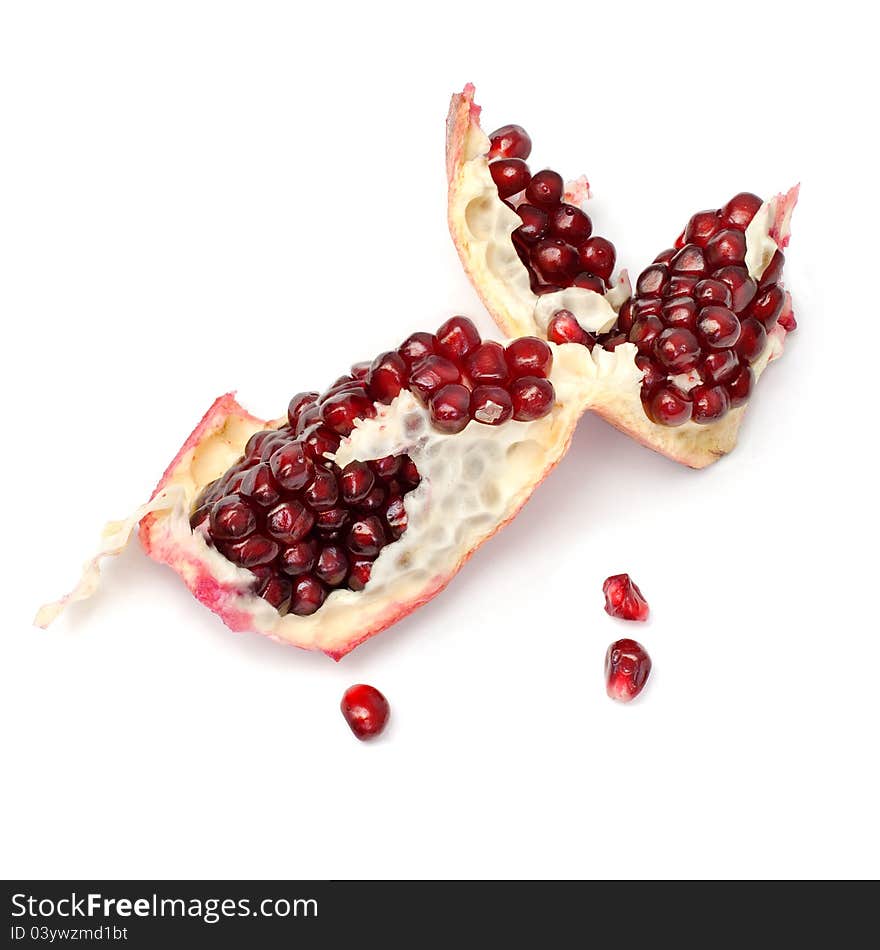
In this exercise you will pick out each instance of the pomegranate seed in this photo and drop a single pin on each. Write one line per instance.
(752, 339)
(664, 257)
(331, 521)
(681, 285)
(564, 328)
(598, 257)
(255, 443)
(627, 667)
(554, 259)
(740, 386)
(718, 366)
(299, 557)
(359, 574)
(365, 710)
(277, 439)
(340, 411)
(528, 356)
(532, 398)
(534, 224)
(487, 364)
(773, 271)
(199, 516)
(388, 466)
(623, 599)
(308, 595)
(259, 486)
(318, 442)
(726, 247)
(701, 227)
(456, 338)
(652, 280)
(416, 347)
(739, 211)
(718, 327)
(395, 516)
(290, 521)
(409, 473)
(510, 175)
(545, 189)
(710, 403)
(677, 349)
(669, 406)
(299, 402)
(589, 281)
(710, 291)
(610, 341)
(332, 566)
(310, 416)
(291, 467)
(767, 305)
(654, 375)
(491, 405)
(786, 318)
(510, 141)
(357, 481)
(375, 499)
(647, 307)
(277, 591)
(690, 261)
(231, 518)
(251, 551)
(741, 285)
(432, 374)
(449, 408)
(645, 332)
(366, 536)
(386, 376)
(680, 312)
(570, 224)
(323, 491)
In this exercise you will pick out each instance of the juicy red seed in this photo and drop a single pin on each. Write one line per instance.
(277, 591)
(545, 189)
(669, 406)
(564, 328)
(510, 175)
(432, 374)
(449, 408)
(510, 141)
(340, 411)
(623, 599)
(259, 486)
(357, 482)
(652, 280)
(310, 416)
(200, 515)
(589, 281)
(456, 338)
(532, 398)
(598, 257)
(231, 518)
(308, 595)
(291, 467)
(365, 710)
(786, 318)
(332, 565)
(290, 521)
(741, 285)
(255, 442)
(388, 466)
(570, 224)
(773, 271)
(491, 405)
(726, 247)
(487, 364)
(701, 227)
(332, 520)
(359, 573)
(627, 667)
(528, 356)
(366, 536)
(680, 312)
(681, 285)
(647, 307)
(710, 403)
(677, 349)
(319, 441)
(323, 490)
(767, 306)
(626, 316)
(664, 257)
(718, 327)
(299, 557)
(251, 551)
(409, 473)
(739, 211)
(276, 440)
(296, 405)
(386, 376)
(610, 341)
(654, 375)
(718, 366)
(710, 291)
(360, 370)
(395, 516)
(752, 339)
(644, 333)
(539, 288)
(554, 259)
(740, 386)
(534, 223)
(375, 499)
(690, 260)
(416, 347)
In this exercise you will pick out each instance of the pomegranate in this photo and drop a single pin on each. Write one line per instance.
(627, 667)
(623, 599)
(705, 319)
(325, 526)
(365, 710)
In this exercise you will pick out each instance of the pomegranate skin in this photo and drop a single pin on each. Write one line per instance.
(365, 710)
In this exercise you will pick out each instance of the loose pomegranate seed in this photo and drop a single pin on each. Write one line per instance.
(487, 364)
(231, 518)
(710, 403)
(290, 521)
(432, 374)
(365, 710)
(308, 595)
(491, 405)
(589, 281)
(251, 551)
(534, 224)
(598, 257)
(259, 486)
(669, 406)
(395, 516)
(773, 271)
(299, 402)
(449, 408)
(277, 591)
(416, 347)
(740, 386)
(652, 280)
(680, 312)
(654, 375)
(752, 340)
(701, 227)
(555, 260)
(366, 536)
(570, 224)
(532, 398)
(456, 338)
(739, 211)
(299, 557)
(332, 565)
(545, 189)
(741, 285)
(528, 356)
(510, 141)
(645, 332)
(767, 305)
(510, 175)
(357, 482)
(690, 261)
(290, 466)
(711, 291)
(359, 574)
(718, 327)
(677, 349)
(627, 667)
(564, 328)
(718, 366)
(386, 376)
(323, 491)
(726, 247)
(623, 599)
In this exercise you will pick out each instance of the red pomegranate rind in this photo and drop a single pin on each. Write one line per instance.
(623, 599)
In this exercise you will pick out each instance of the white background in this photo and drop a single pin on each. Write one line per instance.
(204, 197)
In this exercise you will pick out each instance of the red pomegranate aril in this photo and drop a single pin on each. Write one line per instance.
(664, 257)
(626, 316)
(528, 356)
(357, 481)
(274, 442)
(752, 339)
(308, 595)
(510, 141)
(564, 328)
(711, 291)
(253, 447)
(359, 572)
(416, 347)
(741, 285)
(294, 409)
(726, 247)
(276, 591)
(259, 486)
(290, 466)
(432, 374)
(767, 305)
(251, 551)
(680, 285)
(340, 411)
(647, 307)
(491, 405)
(365, 710)
(200, 515)
(680, 312)
(740, 386)
(545, 189)
(375, 499)
(652, 281)
(386, 376)
(717, 327)
(332, 520)
(318, 442)
(449, 408)
(554, 259)
(456, 338)
(588, 281)
(332, 565)
(669, 406)
(570, 224)
(773, 271)
(645, 332)
(718, 366)
(532, 398)
(510, 175)
(323, 491)
(654, 375)
(231, 518)
(690, 260)
(598, 257)
(627, 668)
(366, 536)
(290, 521)
(677, 349)
(739, 211)
(395, 516)
(623, 599)
(701, 227)
(299, 557)
(610, 340)
(409, 473)
(710, 403)
(487, 364)
(308, 417)
(387, 467)
(360, 371)
(534, 224)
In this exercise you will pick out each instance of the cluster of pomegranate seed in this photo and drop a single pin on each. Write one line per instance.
(555, 240)
(627, 664)
(305, 526)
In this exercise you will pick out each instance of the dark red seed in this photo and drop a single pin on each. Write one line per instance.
(717, 327)
(532, 398)
(251, 551)
(773, 271)
(200, 515)
(652, 281)
(701, 227)
(276, 591)
(357, 482)
(259, 486)
(365, 710)
(360, 370)
(308, 595)
(332, 565)
(487, 364)
(299, 402)
(741, 285)
(299, 557)
(340, 411)
(366, 536)
(598, 257)
(456, 338)
(510, 141)
(588, 281)
(740, 386)
(231, 518)
(570, 224)
(680, 285)
(726, 247)
(255, 442)
(710, 403)
(491, 405)
(645, 332)
(677, 349)
(718, 366)
(359, 573)
(510, 175)
(664, 257)
(623, 599)
(767, 305)
(752, 339)
(308, 417)
(449, 408)
(680, 312)
(432, 374)
(323, 491)
(528, 356)
(388, 466)
(711, 291)
(416, 347)
(395, 516)
(534, 224)
(627, 668)
(277, 439)
(555, 260)
(375, 499)
(647, 307)
(409, 473)
(739, 211)
(689, 261)
(669, 406)
(332, 520)
(386, 376)
(564, 328)
(291, 467)
(545, 189)
(654, 375)
(318, 442)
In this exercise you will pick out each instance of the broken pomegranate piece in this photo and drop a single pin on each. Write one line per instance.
(365, 710)
(627, 667)
(623, 599)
